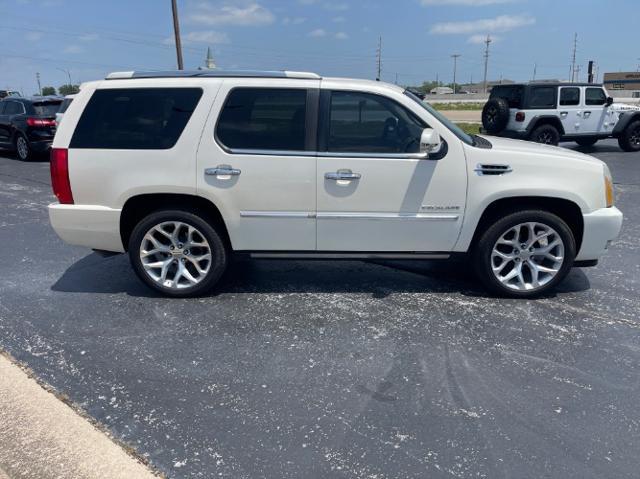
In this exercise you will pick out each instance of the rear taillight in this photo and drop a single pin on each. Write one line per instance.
(520, 116)
(41, 122)
(60, 175)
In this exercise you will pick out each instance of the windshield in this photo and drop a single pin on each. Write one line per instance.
(455, 129)
(47, 109)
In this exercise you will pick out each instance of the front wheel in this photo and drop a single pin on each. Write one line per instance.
(546, 134)
(525, 254)
(630, 138)
(178, 253)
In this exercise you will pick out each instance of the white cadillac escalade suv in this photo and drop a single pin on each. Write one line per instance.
(182, 170)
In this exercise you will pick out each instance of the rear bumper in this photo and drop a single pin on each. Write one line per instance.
(41, 146)
(600, 227)
(95, 227)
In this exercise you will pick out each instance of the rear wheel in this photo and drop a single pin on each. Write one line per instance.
(23, 150)
(546, 134)
(177, 253)
(589, 141)
(525, 254)
(630, 138)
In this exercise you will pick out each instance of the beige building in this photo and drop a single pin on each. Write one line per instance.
(629, 81)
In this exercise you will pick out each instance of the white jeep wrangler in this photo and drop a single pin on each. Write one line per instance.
(182, 170)
(553, 112)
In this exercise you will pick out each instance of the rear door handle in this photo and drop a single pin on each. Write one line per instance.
(343, 175)
(222, 170)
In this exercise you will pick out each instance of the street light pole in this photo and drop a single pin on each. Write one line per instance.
(176, 31)
(67, 72)
(455, 68)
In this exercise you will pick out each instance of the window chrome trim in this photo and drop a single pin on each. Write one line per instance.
(402, 156)
(269, 152)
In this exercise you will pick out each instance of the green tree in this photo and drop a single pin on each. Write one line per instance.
(48, 90)
(68, 89)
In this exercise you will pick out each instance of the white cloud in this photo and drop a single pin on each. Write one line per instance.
(341, 36)
(89, 37)
(339, 19)
(336, 6)
(317, 33)
(502, 23)
(293, 21)
(73, 49)
(247, 14)
(33, 36)
(210, 37)
(468, 3)
(480, 39)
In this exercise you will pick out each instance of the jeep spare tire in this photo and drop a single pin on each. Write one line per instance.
(495, 115)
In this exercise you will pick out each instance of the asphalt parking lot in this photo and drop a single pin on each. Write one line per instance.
(320, 369)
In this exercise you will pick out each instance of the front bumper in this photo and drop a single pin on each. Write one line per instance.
(600, 228)
(95, 227)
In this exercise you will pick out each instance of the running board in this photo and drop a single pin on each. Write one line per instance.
(289, 255)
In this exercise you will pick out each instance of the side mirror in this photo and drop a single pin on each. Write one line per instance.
(609, 101)
(430, 142)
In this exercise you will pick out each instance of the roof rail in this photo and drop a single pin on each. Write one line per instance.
(212, 74)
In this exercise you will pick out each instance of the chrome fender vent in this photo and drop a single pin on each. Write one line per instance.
(492, 170)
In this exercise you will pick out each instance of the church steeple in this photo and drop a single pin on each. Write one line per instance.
(210, 64)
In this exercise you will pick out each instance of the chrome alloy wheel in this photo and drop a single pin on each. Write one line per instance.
(175, 255)
(527, 256)
(22, 147)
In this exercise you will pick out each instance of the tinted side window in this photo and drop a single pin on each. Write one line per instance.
(2, 104)
(513, 94)
(569, 96)
(135, 118)
(264, 119)
(365, 123)
(543, 97)
(595, 96)
(13, 108)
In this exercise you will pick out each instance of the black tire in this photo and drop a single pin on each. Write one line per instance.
(23, 150)
(495, 115)
(545, 134)
(589, 141)
(482, 252)
(205, 229)
(630, 138)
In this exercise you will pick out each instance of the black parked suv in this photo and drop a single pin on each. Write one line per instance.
(553, 112)
(28, 125)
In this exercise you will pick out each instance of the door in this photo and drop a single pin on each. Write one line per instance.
(596, 113)
(374, 193)
(571, 110)
(257, 162)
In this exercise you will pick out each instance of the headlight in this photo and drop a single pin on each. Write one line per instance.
(608, 189)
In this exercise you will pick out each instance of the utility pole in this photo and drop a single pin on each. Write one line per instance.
(486, 61)
(379, 59)
(578, 68)
(176, 31)
(535, 71)
(455, 57)
(573, 61)
(39, 86)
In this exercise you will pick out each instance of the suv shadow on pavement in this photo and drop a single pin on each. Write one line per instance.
(95, 274)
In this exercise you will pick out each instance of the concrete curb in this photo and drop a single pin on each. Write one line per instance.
(42, 435)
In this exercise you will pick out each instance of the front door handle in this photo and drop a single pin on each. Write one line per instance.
(222, 170)
(342, 175)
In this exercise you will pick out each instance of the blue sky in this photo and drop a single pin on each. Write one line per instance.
(332, 37)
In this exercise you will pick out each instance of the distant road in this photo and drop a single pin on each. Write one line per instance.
(465, 116)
